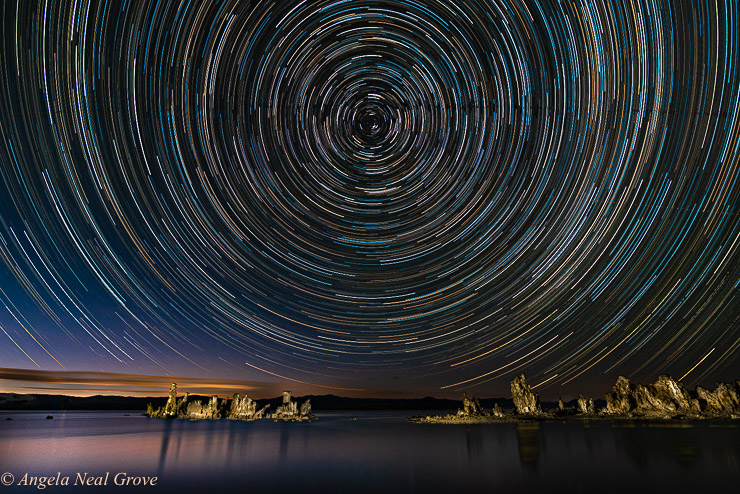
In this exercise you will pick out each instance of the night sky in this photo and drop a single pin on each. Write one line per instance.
(375, 197)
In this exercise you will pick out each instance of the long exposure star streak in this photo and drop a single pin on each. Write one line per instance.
(429, 195)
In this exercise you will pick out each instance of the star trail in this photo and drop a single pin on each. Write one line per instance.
(430, 195)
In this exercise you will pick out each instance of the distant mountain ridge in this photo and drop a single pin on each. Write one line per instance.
(13, 401)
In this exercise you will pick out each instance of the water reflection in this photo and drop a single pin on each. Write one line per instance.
(166, 431)
(663, 443)
(527, 435)
(378, 451)
(284, 440)
(473, 442)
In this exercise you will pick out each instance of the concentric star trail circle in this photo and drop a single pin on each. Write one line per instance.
(336, 190)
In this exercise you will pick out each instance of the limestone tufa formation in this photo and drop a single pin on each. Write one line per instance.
(471, 406)
(667, 398)
(289, 409)
(526, 402)
(306, 409)
(239, 408)
(722, 401)
(620, 400)
(170, 408)
(242, 408)
(585, 406)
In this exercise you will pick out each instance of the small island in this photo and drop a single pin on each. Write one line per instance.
(664, 399)
(235, 409)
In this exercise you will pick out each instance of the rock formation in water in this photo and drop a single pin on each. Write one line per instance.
(289, 409)
(242, 408)
(170, 409)
(664, 398)
(585, 406)
(470, 413)
(194, 410)
(238, 408)
(197, 410)
(620, 400)
(471, 406)
(723, 401)
(526, 402)
(581, 405)
(667, 398)
(306, 409)
(262, 412)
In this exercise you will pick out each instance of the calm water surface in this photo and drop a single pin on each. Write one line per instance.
(378, 452)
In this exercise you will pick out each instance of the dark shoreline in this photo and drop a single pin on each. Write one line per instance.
(549, 417)
(29, 402)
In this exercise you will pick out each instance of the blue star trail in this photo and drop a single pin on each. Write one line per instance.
(433, 195)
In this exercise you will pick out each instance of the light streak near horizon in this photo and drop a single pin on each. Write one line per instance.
(347, 193)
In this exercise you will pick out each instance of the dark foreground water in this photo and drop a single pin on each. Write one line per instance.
(379, 452)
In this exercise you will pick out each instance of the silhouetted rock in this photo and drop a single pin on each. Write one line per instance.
(526, 402)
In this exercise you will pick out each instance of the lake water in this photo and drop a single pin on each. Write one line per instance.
(378, 452)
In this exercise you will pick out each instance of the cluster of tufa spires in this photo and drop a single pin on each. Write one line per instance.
(235, 409)
(665, 398)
